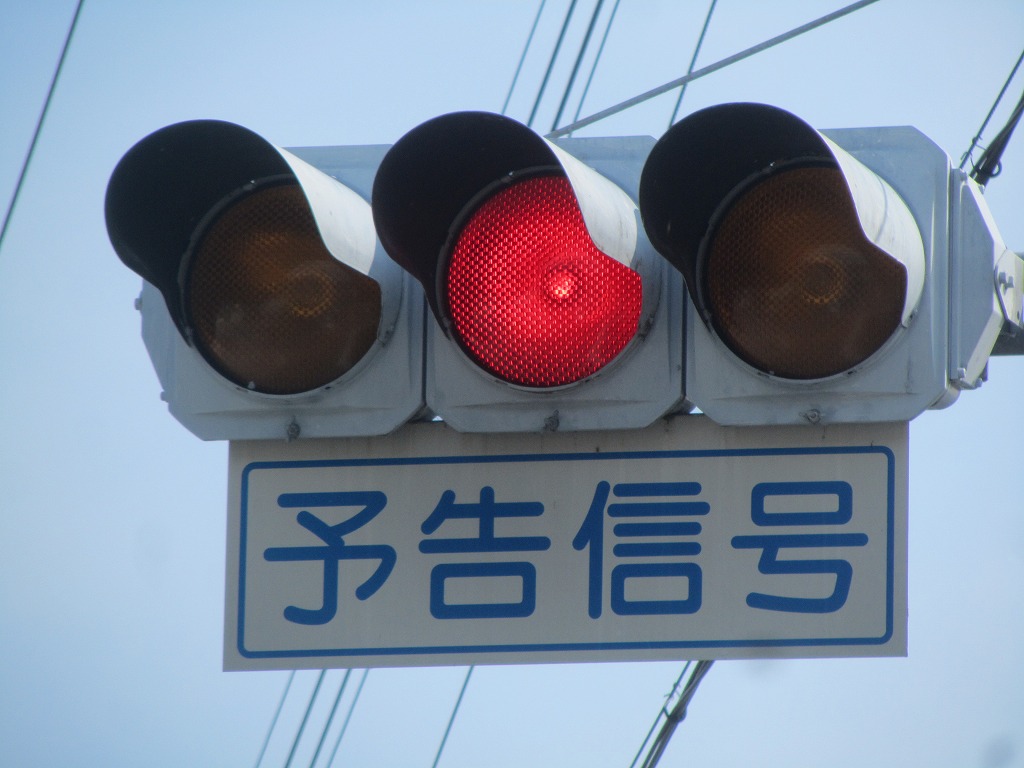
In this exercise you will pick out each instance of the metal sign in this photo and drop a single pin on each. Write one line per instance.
(684, 540)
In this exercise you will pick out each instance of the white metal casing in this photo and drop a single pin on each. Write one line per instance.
(980, 301)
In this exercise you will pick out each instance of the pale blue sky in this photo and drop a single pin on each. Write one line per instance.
(112, 516)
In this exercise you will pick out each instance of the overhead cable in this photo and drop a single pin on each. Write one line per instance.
(597, 58)
(305, 718)
(728, 61)
(576, 66)
(273, 721)
(348, 717)
(989, 165)
(39, 125)
(693, 61)
(676, 716)
(330, 717)
(551, 62)
(522, 57)
(663, 712)
(984, 123)
(455, 711)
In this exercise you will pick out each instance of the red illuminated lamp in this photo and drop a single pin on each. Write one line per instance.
(553, 311)
(530, 297)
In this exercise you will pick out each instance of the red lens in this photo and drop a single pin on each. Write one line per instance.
(530, 296)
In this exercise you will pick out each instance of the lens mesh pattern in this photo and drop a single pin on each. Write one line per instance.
(269, 306)
(793, 285)
(530, 296)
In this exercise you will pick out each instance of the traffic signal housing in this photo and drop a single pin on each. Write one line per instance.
(850, 275)
(269, 309)
(552, 309)
(837, 276)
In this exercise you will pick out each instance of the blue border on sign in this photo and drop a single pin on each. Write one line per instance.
(557, 647)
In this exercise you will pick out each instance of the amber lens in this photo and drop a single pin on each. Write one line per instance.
(269, 306)
(793, 285)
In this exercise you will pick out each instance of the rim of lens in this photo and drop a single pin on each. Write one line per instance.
(790, 281)
(268, 306)
(555, 309)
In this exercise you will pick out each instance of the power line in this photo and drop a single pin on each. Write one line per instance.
(676, 716)
(522, 57)
(988, 166)
(344, 725)
(551, 62)
(614, 110)
(455, 711)
(305, 718)
(39, 125)
(597, 58)
(663, 712)
(984, 123)
(576, 65)
(693, 61)
(330, 717)
(273, 721)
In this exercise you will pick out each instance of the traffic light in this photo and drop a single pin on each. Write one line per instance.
(269, 309)
(851, 275)
(841, 276)
(552, 310)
